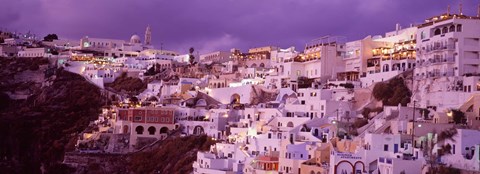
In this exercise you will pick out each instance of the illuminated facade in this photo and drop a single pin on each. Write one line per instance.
(146, 123)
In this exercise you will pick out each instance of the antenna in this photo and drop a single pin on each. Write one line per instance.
(478, 10)
(460, 8)
(448, 10)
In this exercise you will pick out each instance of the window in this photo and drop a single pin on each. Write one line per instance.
(303, 102)
(444, 30)
(459, 27)
(452, 28)
(437, 31)
(138, 118)
(385, 147)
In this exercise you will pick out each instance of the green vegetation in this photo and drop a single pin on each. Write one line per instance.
(172, 156)
(50, 37)
(191, 57)
(431, 157)
(425, 113)
(393, 92)
(359, 123)
(36, 131)
(347, 85)
(366, 111)
(304, 82)
(131, 85)
(458, 116)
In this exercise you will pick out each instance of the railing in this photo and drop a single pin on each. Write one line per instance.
(440, 74)
(436, 61)
(441, 47)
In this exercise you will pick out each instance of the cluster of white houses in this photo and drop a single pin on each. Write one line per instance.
(274, 110)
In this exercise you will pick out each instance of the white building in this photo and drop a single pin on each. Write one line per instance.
(447, 53)
(34, 52)
(216, 57)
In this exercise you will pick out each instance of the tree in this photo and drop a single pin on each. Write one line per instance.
(50, 37)
(393, 92)
(458, 116)
(347, 85)
(425, 113)
(304, 82)
(191, 57)
(150, 71)
(382, 91)
(134, 100)
(434, 141)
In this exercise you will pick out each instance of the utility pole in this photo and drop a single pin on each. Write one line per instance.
(414, 103)
(337, 123)
(413, 127)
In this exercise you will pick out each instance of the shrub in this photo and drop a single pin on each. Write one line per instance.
(458, 116)
(359, 123)
(393, 92)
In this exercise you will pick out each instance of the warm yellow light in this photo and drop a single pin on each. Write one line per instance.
(450, 113)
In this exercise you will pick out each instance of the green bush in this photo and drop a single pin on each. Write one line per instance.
(129, 84)
(359, 123)
(393, 92)
(458, 116)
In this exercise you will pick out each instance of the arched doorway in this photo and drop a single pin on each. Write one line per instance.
(235, 99)
(290, 124)
(163, 130)
(151, 130)
(198, 130)
(139, 130)
(359, 167)
(262, 65)
(344, 167)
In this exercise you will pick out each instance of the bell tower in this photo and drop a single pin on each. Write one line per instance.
(148, 36)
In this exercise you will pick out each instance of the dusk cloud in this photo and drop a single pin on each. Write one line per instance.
(211, 25)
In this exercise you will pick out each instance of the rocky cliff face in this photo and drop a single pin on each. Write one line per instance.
(36, 132)
(174, 155)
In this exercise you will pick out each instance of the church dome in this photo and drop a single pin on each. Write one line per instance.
(135, 39)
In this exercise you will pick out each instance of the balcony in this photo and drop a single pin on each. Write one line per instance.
(435, 61)
(434, 74)
(448, 47)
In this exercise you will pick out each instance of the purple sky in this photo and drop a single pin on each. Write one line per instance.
(210, 25)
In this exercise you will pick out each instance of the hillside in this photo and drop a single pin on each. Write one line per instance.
(36, 132)
(173, 155)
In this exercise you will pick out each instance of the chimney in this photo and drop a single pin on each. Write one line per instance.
(397, 27)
